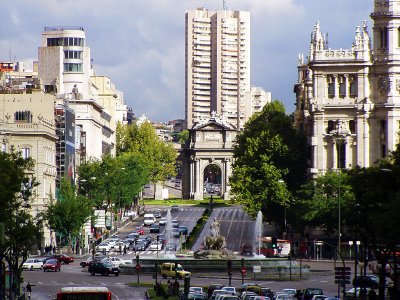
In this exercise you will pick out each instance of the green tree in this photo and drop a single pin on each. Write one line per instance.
(17, 186)
(142, 141)
(68, 214)
(183, 136)
(317, 203)
(270, 163)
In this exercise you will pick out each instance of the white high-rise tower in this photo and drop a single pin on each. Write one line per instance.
(217, 66)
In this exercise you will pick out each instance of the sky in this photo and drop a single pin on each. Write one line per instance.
(140, 44)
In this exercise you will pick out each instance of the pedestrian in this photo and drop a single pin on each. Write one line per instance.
(176, 287)
(29, 289)
(170, 289)
(54, 249)
(124, 249)
(120, 248)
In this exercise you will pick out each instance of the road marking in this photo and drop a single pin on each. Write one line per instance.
(102, 283)
(85, 283)
(71, 282)
(39, 282)
(54, 282)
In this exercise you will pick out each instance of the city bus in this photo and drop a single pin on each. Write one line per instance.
(282, 248)
(84, 293)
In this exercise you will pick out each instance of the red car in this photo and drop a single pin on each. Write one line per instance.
(52, 265)
(63, 258)
(140, 230)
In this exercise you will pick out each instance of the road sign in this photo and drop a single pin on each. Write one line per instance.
(243, 271)
(256, 269)
(138, 267)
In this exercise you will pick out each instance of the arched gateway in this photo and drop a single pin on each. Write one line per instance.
(207, 158)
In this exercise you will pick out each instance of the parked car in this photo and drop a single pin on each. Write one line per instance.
(163, 221)
(183, 230)
(103, 268)
(32, 263)
(369, 281)
(52, 265)
(155, 228)
(64, 259)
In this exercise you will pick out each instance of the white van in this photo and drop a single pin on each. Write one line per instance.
(149, 219)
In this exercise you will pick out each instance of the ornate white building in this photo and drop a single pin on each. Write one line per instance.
(348, 100)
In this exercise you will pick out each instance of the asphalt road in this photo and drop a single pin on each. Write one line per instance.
(236, 226)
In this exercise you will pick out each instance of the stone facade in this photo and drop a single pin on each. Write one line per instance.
(348, 100)
(210, 143)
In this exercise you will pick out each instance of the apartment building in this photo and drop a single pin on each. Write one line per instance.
(217, 65)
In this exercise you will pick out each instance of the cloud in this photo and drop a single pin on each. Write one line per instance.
(140, 44)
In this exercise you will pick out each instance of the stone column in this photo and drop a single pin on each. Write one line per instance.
(366, 138)
(191, 178)
(348, 153)
(197, 194)
(334, 154)
(347, 85)
(335, 78)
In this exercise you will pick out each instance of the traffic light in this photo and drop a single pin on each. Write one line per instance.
(274, 243)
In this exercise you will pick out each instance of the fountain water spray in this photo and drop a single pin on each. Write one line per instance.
(168, 226)
(258, 232)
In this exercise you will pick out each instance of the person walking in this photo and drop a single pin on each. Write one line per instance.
(124, 249)
(29, 289)
(120, 249)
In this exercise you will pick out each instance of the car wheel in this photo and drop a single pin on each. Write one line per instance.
(44, 270)
(31, 268)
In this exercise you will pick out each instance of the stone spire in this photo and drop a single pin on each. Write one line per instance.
(361, 40)
(317, 41)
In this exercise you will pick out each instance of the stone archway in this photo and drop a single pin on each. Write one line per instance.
(212, 180)
(209, 148)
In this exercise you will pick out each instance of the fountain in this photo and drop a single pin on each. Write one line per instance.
(168, 226)
(214, 245)
(258, 233)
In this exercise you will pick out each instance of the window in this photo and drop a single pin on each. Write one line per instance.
(341, 148)
(331, 87)
(70, 67)
(53, 42)
(342, 87)
(26, 153)
(353, 87)
(384, 37)
(23, 116)
(352, 126)
(331, 126)
(73, 54)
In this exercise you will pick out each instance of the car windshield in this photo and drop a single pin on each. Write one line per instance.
(52, 261)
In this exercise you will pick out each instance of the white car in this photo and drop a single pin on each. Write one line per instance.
(117, 261)
(33, 263)
(154, 246)
(113, 240)
(163, 221)
(104, 246)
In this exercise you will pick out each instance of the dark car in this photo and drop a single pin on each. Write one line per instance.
(104, 268)
(183, 230)
(174, 208)
(212, 288)
(310, 292)
(139, 246)
(155, 228)
(157, 214)
(246, 249)
(98, 258)
(52, 265)
(175, 232)
(63, 258)
(171, 246)
(369, 281)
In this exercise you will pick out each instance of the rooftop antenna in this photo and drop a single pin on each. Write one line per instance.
(224, 4)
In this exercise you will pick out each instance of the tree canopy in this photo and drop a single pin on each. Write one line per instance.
(69, 213)
(143, 142)
(270, 163)
(22, 231)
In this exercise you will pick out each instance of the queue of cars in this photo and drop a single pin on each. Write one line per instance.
(49, 263)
